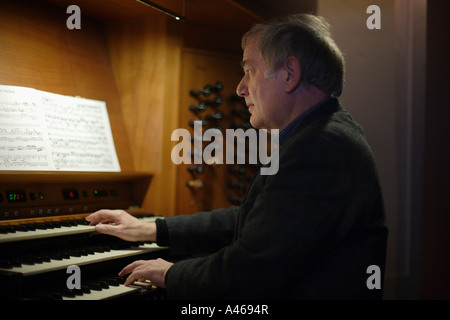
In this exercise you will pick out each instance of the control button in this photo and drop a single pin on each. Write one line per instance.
(100, 193)
(85, 194)
(70, 194)
(41, 196)
(32, 196)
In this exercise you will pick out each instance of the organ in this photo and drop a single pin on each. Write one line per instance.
(143, 65)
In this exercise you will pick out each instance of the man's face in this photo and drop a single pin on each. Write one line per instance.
(262, 92)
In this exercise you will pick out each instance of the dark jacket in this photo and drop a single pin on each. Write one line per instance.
(308, 232)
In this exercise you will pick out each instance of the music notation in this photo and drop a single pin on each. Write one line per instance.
(46, 131)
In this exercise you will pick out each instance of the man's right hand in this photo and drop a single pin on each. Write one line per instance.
(123, 225)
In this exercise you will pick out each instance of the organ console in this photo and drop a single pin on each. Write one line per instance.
(43, 232)
(42, 228)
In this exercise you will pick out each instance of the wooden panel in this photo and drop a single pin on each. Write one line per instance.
(220, 14)
(269, 9)
(216, 25)
(39, 51)
(145, 57)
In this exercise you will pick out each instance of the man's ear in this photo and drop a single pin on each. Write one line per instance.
(293, 70)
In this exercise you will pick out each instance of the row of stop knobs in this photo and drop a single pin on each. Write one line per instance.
(207, 98)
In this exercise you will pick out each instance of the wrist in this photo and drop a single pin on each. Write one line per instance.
(150, 232)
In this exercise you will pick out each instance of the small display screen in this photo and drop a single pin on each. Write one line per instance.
(16, 196)
(70, 194)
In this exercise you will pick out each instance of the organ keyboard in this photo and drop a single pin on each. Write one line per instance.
(43, 232)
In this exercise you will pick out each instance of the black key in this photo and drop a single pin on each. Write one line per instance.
(90, 250)
(56, 225)
(27, 260)
(78, 292)
(22, 228)
(111, 281)
(84, 252)
(30, 227)
(37, 259)
(85, 289)
(64, 254)
(93, 286)
(7, 229)
(120, 280)
(82, 222)
(102, 284)
(45, 258)
(15, 262)
(74, 253)
(98, 249)
(105, 249)
(56, 256)
(68, 293)
(9, 264)
(68, 223)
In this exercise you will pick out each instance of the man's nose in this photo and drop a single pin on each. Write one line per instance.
(241, 89)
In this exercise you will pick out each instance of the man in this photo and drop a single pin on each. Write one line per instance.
(311, 230)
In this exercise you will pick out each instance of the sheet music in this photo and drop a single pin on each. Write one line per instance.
(46, 131)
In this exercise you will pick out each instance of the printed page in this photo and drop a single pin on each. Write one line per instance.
(45, 131)
(24, 143)
(79, 134)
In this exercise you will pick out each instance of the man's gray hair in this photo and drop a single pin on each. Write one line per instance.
(308, 38)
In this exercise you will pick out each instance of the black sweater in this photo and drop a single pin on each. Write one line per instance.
(308, 232)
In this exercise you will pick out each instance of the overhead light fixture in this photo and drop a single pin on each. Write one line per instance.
(162, 9)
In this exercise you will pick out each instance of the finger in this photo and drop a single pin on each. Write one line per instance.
(130, 268)
(105, 216)
(109, 229)
(136, 275)
(131, 279)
